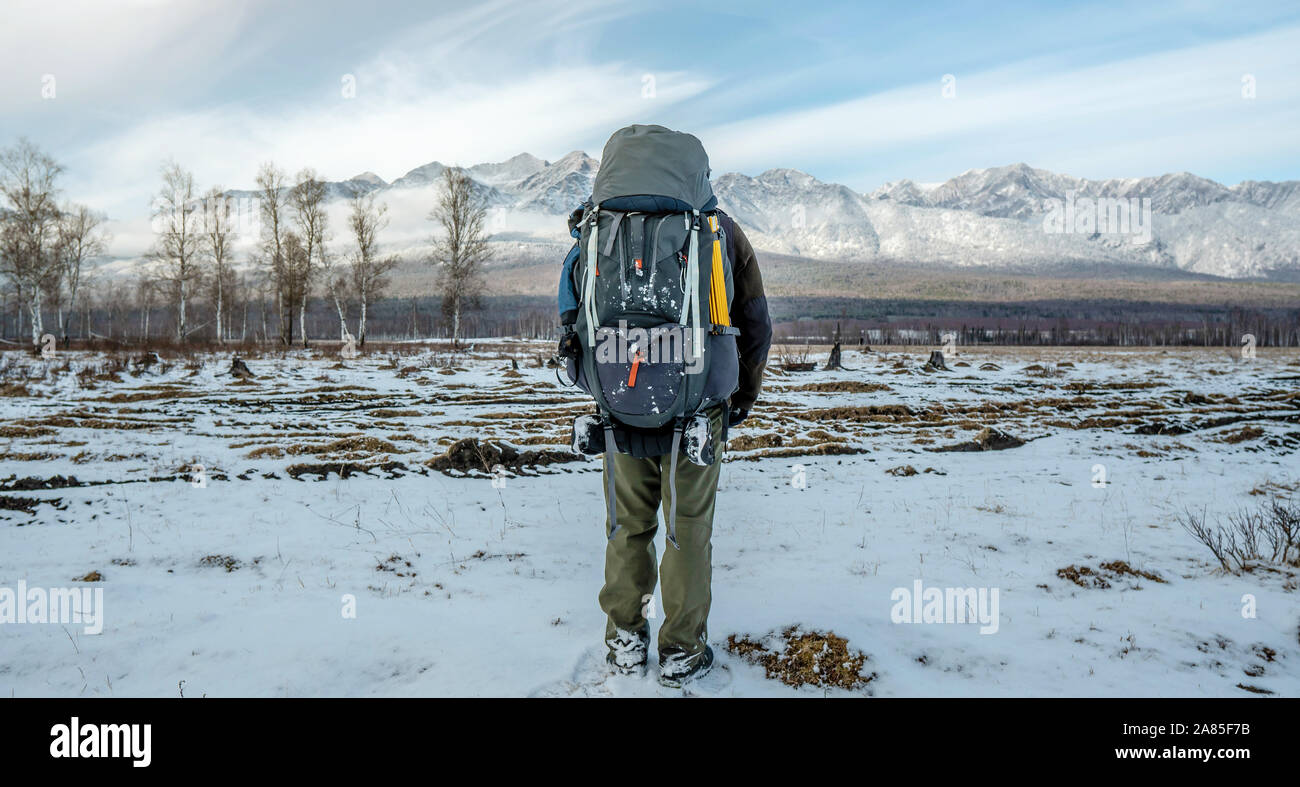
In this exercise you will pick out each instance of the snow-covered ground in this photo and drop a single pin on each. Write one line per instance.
(237, 579)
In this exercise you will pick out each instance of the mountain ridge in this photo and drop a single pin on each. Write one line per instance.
(995, 217)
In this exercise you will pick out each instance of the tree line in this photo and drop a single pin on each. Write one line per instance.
(1229, 327)
(192, 272)
(296, 280)
(45, 246)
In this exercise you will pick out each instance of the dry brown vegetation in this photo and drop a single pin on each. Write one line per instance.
(1104, 574)
(471, 456)
(985, 406)
(805, 658)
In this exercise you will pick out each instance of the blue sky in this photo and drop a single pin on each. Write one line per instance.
(850, 92)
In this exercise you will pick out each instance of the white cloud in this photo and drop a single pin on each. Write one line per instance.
(453, 96)
(1190, 97)
(484, 81)
(105, 53)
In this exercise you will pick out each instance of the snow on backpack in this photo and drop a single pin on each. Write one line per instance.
(654, 286)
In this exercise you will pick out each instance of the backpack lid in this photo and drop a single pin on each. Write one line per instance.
(654, 161)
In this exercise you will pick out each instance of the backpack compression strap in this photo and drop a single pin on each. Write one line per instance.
(611, 503)
(691, 307)
(672, 484)
(589, 290)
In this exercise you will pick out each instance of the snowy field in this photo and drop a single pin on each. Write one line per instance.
(307, 532)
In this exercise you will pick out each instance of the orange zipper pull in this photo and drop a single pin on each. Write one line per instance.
(631, 375)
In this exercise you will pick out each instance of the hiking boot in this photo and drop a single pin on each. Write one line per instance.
(629, 651)
(677, 668)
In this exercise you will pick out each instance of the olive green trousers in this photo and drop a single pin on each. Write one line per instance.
(641, 490)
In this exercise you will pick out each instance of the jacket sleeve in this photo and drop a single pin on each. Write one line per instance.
(749, 315)
(567, 298)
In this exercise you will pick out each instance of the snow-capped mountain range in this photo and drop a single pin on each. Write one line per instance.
(1011, 216)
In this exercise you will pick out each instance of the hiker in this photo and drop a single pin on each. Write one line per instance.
(665, 324)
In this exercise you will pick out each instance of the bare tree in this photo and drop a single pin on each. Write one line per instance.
(12, 268)
(146, 290)
(82, 238)
(369, 270)
(295, 262)
(245, 289)
(273, 207)
(263, 283)
(29, 225)
(307, 203)
(107, 296)
(461, 249)
(333, 278)
(10, 287)
(218, 237)
(176, 251)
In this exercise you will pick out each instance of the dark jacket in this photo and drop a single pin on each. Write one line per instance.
(748, 307)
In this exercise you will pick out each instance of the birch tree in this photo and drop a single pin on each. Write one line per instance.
(146, 289)
(82, 238)
(29, 225)
(176, 251)
(307, 205)
(369, 270)
(461, 249)
(272, 200)
(295, 262)
(334, 280)
(218, 238)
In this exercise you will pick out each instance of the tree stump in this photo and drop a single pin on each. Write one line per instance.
(240, 369)
(936, 362)
(834, 361)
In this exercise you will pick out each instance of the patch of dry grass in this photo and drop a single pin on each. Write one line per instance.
(805, 658)
(840, 386)
(349, 445)
(1104, 574)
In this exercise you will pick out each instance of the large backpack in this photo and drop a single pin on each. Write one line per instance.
(654, 285)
